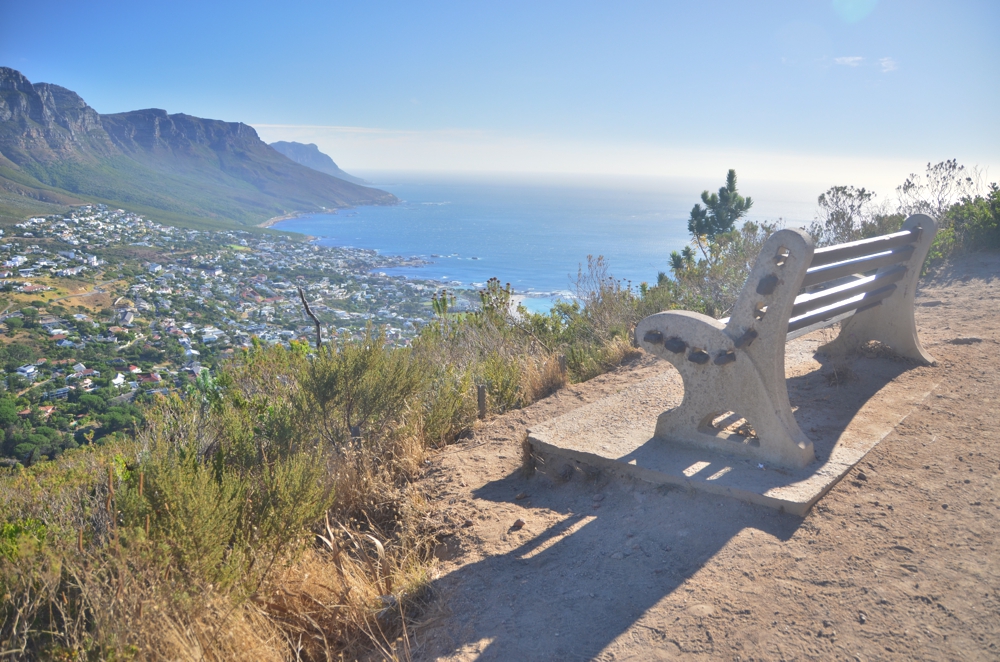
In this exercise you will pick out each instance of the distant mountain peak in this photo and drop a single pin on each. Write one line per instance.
(310, 156)
(12, 79)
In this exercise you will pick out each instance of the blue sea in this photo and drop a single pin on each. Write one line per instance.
(533, 234)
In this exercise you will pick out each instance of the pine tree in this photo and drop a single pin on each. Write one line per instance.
(721, 211)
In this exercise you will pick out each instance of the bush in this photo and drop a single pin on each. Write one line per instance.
(198, 520)
(270, 511)
(711, 285)
(362, 387)
(976, 221)
(967, 220)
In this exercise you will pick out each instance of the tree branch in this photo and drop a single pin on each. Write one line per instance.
(309, 312)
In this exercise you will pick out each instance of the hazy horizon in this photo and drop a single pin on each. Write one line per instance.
(774, 199)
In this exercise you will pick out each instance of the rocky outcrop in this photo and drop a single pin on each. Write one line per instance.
(46, 122)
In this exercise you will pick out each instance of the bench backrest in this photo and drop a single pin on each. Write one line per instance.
(847, 278)
(840, 279)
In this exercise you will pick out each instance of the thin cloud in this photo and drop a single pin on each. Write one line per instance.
(888, 64)
(852, 61)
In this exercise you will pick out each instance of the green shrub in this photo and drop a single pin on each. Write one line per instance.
(976, 221)
(19, 534)
(362, 387)
(502, 377)
(449, 408)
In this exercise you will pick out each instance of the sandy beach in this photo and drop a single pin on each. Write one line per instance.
(295, 214)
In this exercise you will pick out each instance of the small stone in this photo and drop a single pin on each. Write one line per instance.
(467, 523)
(618, 556)
(862, 475)
(945, 506)
(701, 610)
(518, 524)
(862, 617)
(521, 495)
(598, 497)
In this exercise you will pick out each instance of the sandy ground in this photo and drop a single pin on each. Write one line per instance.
(900, 561)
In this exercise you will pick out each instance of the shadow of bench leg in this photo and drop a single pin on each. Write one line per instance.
(737, 389)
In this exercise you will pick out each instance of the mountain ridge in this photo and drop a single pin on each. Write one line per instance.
(310, 156)
(56, 149)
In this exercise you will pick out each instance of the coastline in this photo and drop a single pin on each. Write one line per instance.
(295, 214)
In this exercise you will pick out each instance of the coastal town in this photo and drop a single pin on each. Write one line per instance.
(101, 308)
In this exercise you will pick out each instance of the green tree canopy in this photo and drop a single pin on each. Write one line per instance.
(721, 210)
(8, 412)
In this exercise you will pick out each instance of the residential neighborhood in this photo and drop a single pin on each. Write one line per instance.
(104, 307)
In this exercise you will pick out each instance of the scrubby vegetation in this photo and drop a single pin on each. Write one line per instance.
(271, 513)
(967, 212)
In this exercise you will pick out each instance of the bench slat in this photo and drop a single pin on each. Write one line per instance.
(816, 275)
(867, 299)
(842, 252)
(805, 303)
(822, 324)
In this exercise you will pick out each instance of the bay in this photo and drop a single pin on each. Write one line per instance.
(534, 234)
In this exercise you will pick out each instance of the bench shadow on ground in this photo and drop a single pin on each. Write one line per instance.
(620, 546)
(566, 592)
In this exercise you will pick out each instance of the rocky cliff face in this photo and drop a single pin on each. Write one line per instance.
(153, 130)
(189, 166)
(46, 122)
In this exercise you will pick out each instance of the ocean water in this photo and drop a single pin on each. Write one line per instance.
(534, 234)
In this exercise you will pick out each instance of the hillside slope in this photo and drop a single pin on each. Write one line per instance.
(55, 149)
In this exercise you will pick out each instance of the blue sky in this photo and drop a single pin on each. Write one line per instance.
(820, 91)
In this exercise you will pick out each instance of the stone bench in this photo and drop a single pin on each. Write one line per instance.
(735, 367)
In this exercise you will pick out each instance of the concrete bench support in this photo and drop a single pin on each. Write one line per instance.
(893, 322)
(739, 365)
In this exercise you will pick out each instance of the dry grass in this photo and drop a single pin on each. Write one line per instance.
(270, 514)
(340, 593)
(542, 378)
(225, 531)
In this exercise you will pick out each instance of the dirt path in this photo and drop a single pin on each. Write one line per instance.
(900, 561)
